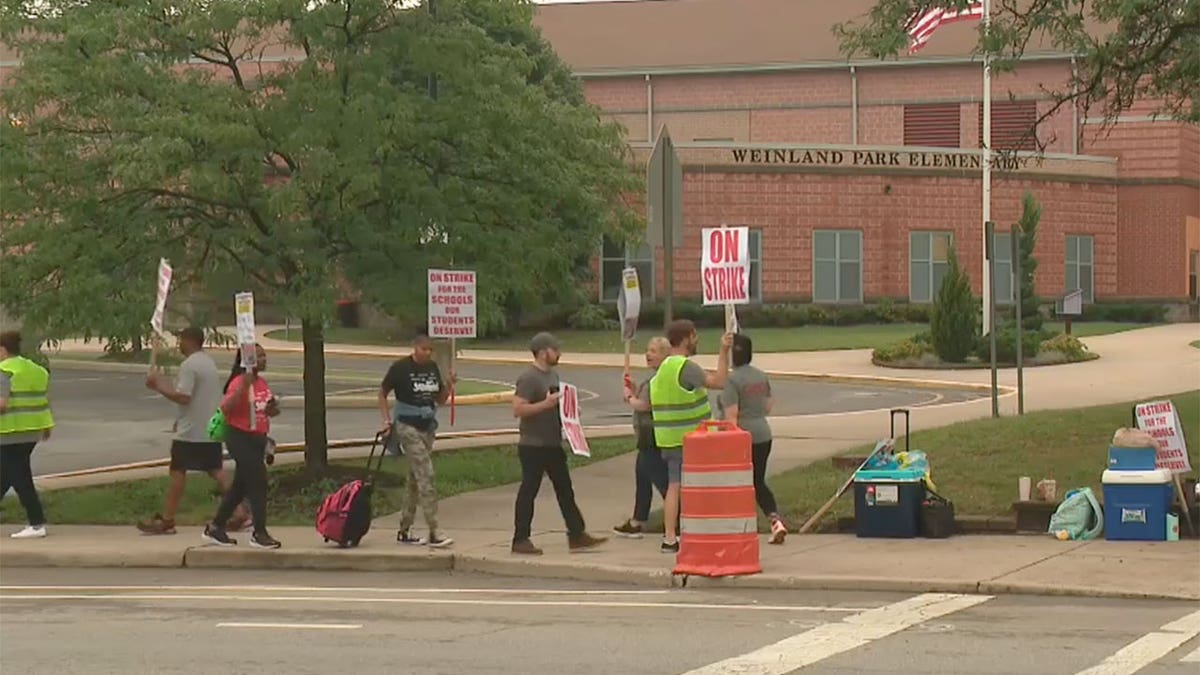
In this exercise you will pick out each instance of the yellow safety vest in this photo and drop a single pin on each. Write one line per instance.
(675, 410)
(28, 405)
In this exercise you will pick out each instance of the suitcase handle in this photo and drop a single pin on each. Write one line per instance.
(907, 427)
(380, 443)
(716, 425)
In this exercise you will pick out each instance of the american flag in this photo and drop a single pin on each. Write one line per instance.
(921, 28)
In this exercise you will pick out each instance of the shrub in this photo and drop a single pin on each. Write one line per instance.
(900, 351)
(591, 317)
(1006, 343)
(952, 324)
(1127, 313)
(1068, 345)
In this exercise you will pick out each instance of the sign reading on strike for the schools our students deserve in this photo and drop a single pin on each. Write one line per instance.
(160, 302)
(452, 304)
(725, 265)
(568, 410)
(1160, 419)
(244, 311)
(629, 303)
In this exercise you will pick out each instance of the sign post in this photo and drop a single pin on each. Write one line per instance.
(989, 305)
(1016, 285)
(629, 307)
(244, 310)
(568, 410)
(160, 307)
(664, 210)
(1160, 419)
(452, 313)
(725, 270)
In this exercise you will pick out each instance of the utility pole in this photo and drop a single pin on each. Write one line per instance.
(989, 235)
(1016, 267)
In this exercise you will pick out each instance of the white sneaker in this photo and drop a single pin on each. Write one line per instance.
(31, 532)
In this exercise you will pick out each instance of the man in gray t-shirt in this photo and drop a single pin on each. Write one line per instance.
(540, 449)
(197, 393)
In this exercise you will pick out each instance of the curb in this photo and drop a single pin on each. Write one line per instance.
(365, 560)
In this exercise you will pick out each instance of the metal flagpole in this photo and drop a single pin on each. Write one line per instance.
(987, 166)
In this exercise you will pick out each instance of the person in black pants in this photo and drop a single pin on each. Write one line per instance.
(540, 449)
(25, 419)
(650, 471)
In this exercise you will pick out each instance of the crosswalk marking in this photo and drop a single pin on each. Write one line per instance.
(831, 639)
(1149, 648)
(1194, 657)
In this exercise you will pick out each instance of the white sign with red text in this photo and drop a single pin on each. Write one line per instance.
(452, 304)
(160, 303)
(1160, 419)
(244, 311)
(725, 265)
(568, 410)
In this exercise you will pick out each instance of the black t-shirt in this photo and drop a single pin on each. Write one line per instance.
(416, 384)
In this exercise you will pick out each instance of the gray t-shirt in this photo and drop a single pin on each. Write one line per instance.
(748, 388)
(20, 436)
(543, 430)
(692, 377)
(200, 379)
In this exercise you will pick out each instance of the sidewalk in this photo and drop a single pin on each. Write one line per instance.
(969, 564)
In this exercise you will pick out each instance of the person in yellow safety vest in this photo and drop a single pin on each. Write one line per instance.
(678, 404)
(25, 419)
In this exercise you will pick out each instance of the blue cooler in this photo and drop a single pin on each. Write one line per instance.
(1131, 459)
(1136, 504)
(887, 503)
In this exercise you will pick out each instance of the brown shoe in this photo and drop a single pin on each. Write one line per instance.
(583, 542)
(525, 547)
(157, 525)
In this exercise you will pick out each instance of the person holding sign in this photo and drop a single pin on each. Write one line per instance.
(678, 404)
(649, 471)
(746, 401)
(248, 407)
(540, 449)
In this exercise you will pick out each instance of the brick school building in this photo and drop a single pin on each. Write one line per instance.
(856, 177)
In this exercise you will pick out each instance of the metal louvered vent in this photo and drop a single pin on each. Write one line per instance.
(932, 125)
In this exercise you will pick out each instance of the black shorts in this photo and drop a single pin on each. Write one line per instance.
(196, 456)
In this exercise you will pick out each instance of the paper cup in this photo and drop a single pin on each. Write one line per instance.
(1024, 486)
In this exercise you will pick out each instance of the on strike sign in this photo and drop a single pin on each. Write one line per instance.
(725, 265)
(451, 304)
(1160, 419)
(568, 410)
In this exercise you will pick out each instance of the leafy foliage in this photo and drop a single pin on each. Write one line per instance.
(1031, 214)
(952, 323)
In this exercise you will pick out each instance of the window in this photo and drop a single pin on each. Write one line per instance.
(928, 262)
(612, 261)
(1004, 268)
(932, 125)
(1193, 264)
(1080, 249)
(1012, 125)
(756, 251)
(837, 266)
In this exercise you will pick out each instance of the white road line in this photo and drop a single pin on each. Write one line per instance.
(1149, 648)
(1194, 657)
(297, 626)
(831, 639)
(431, 601)
(340, 589)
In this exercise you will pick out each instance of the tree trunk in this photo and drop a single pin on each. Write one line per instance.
(316, 437)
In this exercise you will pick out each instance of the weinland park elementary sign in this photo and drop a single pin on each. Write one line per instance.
(912, 159)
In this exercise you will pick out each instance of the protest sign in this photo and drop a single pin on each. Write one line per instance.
(244, 310)
(629, 303)
(160, 304)
(725, 265)
(568, 410)
(452, 304)
(1160, 419)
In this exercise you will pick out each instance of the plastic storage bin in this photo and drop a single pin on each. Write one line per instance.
(1136, 504)
(1131, 459)
(887, 503)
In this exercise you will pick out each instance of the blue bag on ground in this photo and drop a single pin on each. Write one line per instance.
(1078, 516)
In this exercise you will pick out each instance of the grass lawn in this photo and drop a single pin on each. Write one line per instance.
(976, 464)
(798, 339)
(294, 499)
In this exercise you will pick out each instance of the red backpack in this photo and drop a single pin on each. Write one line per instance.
(345, 515)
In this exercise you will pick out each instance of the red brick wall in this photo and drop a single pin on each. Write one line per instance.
(1152, 251)
(787, 207)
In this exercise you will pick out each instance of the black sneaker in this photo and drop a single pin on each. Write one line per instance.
(403, 537)
(628, 529)
(672, 547)
(263, 540)
(216, 535)
(435, 541)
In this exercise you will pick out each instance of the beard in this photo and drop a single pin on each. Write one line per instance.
(552, 360)
(692, 348)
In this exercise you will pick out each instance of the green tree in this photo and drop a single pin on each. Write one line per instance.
(290, 144)
(953, 322)
(1031, 214)
(1126, 50)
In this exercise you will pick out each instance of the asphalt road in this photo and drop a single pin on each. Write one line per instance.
(64, 622)
(105, 418)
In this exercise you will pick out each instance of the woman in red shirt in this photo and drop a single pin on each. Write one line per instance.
(248, 406)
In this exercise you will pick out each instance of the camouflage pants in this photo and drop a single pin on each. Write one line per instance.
(418, 451)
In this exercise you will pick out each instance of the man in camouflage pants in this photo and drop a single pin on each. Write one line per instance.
(416, 381)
